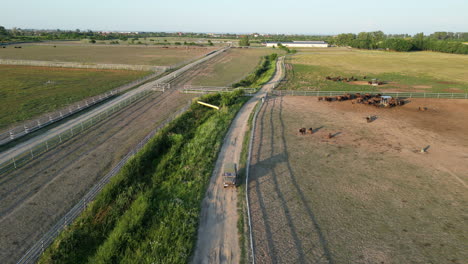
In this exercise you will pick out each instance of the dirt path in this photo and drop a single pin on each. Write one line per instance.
(218, 239)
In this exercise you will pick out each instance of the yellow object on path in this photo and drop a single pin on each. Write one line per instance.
(209, 105)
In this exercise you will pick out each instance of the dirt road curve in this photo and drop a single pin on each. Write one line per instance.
(218, 240)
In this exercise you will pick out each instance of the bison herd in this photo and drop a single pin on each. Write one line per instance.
(376, 100)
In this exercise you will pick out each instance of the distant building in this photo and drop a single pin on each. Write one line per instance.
(300, 44)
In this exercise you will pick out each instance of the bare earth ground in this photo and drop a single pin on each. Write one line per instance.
(366, 195)
(218, 239)
(35, 197)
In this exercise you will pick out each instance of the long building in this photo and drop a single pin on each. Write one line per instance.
(300, 44)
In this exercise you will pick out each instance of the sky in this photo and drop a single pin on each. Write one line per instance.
(239, 16)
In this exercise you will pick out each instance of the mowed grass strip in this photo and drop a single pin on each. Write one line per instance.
(26, 92)
(105, 54)
(237, 64)
(409, 71)
(149, 212)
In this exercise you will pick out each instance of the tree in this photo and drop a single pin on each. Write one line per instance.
(92, 41)
(244, 41)
(210, 43)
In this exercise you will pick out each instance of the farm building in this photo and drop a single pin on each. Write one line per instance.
(300, 44)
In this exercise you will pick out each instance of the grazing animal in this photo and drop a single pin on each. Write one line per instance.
(329, 135)
(320, 98)
(310, 131)
(369, 119)
(369, 82)
(302, 131)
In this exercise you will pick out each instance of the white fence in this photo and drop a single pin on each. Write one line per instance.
(52, 117)
(38, 248)
(26, 156)
(214, 89)
(393, 94)
(65, 64)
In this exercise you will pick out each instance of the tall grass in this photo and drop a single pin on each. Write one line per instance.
(149, 212)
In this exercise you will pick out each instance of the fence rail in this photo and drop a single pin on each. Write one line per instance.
(393, 94)
(52, 117)
(213, 89)
(38, 248)
(66, 64)
(26, 156)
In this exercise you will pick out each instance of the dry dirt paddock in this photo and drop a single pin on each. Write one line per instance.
(366, 195)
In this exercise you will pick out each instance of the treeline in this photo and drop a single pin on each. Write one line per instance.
(149, 212)
(18, 34)
(256, 78)
(439, 41)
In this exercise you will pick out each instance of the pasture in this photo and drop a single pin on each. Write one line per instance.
(400, 71)
(366, 195)
(26, 92)
(234, 66)
(90, 54)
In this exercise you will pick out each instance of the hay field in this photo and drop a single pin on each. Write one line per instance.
(401, 71)
(237, 64)
(134, 55)
(26, 92)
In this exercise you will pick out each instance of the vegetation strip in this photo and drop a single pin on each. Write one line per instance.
(261, 74)
(150, 210)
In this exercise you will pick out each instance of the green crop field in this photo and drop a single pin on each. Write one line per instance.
(26, 92)
(233, 67)
(405, 71)
(134, 55)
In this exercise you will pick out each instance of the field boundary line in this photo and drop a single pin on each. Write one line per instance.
(47, 239)
(69, 64)
(393, 94)
(247, 172)
(249, 154)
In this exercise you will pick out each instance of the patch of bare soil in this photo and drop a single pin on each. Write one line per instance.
(366, 195)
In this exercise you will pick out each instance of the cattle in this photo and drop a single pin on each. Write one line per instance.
(320, 98)
(369, 82)
(302, 131)
(329, 135)
(310, 131)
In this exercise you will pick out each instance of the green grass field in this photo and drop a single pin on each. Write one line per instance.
(26, 92)
(134, 55)
(405, 71)
(236, 65)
